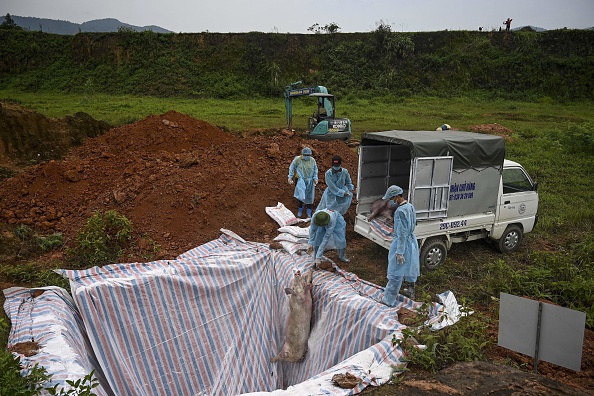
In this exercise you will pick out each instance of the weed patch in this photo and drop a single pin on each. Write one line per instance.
(101, 241)
(466, 340)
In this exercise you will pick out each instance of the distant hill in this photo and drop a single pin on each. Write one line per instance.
(65, 27)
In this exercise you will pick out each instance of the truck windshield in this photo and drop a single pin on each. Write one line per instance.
(514, 180)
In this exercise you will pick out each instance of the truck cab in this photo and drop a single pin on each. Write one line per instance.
(516, 208)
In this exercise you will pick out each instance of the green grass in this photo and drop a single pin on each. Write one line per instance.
(411, 113)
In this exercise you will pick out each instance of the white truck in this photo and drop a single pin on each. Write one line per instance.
(460, 184)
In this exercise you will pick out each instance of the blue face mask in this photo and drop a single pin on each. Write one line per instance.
(306, 157)
(336, 168)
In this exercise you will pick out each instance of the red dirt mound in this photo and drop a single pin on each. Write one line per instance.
(492, 129)
(178, 179)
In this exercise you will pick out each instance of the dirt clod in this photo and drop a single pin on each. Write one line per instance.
(346, 380)
(27, 348)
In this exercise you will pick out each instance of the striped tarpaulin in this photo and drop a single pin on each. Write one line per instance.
(208, 322)
(383, 227)
(48, 318)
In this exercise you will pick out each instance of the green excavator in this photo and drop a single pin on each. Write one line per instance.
(323, 124)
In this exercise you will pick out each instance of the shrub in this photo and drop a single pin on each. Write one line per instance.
(580, 137)
(23, 232)
(33, 275)
(80, 387)
(562, 277)
(101, 241)
(50, 242)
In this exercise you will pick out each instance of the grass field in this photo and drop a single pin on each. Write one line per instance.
(411, 113)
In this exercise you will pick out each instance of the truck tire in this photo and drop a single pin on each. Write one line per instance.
(433, 253)
(510, 240)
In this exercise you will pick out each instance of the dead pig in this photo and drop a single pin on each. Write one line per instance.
(298, 323)
(383, 208)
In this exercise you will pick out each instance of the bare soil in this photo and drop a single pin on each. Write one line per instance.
(180, 180)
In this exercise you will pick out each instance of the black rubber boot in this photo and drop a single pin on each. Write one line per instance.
(409, 291)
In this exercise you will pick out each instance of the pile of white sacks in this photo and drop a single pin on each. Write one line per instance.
(293, 238)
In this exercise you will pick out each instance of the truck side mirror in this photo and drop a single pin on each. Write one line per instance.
(535, 187)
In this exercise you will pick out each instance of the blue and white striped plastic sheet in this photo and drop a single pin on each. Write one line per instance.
(48, 317)
(209, 321)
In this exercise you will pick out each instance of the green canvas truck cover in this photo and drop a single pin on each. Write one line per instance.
(469, 149)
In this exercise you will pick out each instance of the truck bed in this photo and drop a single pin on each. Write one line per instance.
(458, 229)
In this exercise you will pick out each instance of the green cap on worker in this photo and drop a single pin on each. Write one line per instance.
(392, 191)
(321, 218)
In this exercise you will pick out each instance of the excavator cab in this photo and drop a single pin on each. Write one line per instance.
(324, 109)
(323, 125)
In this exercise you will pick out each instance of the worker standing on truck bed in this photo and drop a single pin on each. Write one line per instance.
(403, 256)
(305, 168)
(327, 231)
(339, 188)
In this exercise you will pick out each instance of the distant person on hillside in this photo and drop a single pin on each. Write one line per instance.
(507, 24)
(304, 167)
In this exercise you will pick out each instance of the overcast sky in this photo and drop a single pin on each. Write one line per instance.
(296, 16)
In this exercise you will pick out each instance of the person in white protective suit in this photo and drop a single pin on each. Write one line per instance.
(403, 256)
(304, 167)
(327, 231)
(339, 191)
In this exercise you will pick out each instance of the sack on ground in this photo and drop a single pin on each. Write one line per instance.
(282, 215)
(293, 248)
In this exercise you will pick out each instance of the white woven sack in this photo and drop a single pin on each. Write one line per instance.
(299, 232)
(293, 248)
(290, 238)
(281, 215)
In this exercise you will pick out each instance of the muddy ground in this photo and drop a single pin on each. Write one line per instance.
(180, 180)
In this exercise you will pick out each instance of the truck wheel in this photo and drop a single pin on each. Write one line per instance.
(510, 240)
(433, 253)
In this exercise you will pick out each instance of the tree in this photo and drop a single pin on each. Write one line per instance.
(330, 28)
(382, 34)
(9, 23)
